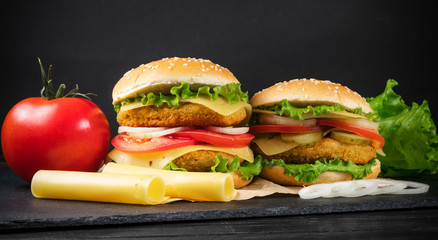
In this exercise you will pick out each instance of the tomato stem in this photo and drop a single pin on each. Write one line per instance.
(48, 92)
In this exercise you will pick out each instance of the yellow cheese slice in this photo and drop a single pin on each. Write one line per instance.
(161, 159)
(220, 105)
(273, 145)
(99, 187)
(197, 186)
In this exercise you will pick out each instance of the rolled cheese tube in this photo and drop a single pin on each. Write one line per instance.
(99, 187)
(197, 186)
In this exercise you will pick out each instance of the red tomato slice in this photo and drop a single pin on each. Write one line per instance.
(126, 143)
(283, 128)
(218, 139)
(377, 141)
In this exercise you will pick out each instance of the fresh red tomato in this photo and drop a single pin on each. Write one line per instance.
(218, 139)
(126, 143)
(377, 141)
(283, 128)
(58, 134)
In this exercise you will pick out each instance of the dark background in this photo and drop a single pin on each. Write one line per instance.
(360, 44)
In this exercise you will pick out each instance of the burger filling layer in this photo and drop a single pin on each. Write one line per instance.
(186, 114)
(307, 141)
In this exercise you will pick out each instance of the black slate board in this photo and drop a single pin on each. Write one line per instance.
(20, 210)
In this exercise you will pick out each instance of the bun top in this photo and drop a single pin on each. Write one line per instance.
(304, 92)
(162, 75)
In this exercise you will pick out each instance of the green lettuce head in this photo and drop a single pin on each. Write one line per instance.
(411, 142)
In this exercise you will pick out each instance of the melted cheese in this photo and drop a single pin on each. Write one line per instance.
(273, 145)
(161, 159)
(197, 186)
(99, 187)
(220, 105)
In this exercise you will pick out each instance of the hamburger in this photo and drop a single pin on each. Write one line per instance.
(309, 131)
(184, 114)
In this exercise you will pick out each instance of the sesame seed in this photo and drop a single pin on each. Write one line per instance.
(185, 64)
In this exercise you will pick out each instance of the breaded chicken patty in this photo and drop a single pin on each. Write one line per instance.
(186, 114)
(201, 160)
(327, 148)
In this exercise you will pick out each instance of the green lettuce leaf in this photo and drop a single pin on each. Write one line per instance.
(310, 172)
(285, 108)
(246, 169)
(173, 167)
(231, 92)
(411, 142)
(221, 164)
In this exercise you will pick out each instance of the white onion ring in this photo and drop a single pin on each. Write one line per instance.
(225, 130)
(361, 188)
(365, 123)
(140, 129)
(159, 133)
(387, 186)
(413, 188)
(280, 120)
(315, 191)
(339, 189)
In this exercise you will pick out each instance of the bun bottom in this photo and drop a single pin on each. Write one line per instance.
(276, 175)
(238, 181)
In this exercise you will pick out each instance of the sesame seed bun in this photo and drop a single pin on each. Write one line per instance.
(162, 75)
(304, 92)
(276, 174)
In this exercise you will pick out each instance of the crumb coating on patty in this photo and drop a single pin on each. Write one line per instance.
(201, 160)
(186, 114)
(327, 148)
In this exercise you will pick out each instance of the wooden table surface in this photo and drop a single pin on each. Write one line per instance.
(395, 224)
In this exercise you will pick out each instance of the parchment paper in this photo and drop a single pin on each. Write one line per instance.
(261, 187)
